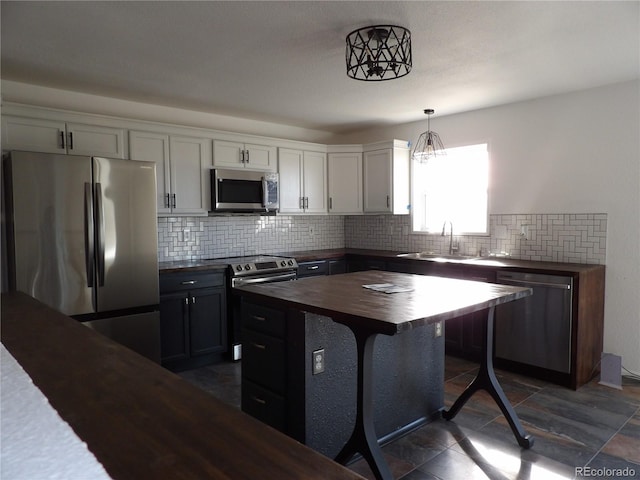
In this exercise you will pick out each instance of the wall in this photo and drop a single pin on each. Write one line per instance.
(575, 153)
(231, 236)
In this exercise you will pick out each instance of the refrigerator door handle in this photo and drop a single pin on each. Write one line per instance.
(89, 244)
(100, 234)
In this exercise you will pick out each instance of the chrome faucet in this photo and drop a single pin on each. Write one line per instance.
(444, 227)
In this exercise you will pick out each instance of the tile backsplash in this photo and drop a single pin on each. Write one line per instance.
(195, 238)
(574, 238)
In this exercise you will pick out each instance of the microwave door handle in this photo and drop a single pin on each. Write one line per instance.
(265, 192)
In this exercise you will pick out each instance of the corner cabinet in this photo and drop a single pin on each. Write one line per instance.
(386, 178)
(182, 170)
(303, 181)
(227, 154)
(193, 325)
(345, 183)
(56, 136)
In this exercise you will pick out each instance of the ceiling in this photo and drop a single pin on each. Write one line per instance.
(284, 62)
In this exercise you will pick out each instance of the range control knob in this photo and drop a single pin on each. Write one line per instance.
(283, 263)
(247, 267)
(239, 268)
(290, 262)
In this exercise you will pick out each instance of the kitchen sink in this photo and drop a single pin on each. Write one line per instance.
(438, 257)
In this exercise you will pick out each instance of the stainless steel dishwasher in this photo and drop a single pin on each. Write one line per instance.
(536, 330)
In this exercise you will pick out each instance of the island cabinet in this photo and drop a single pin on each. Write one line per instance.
(193, 327)
(280, 389)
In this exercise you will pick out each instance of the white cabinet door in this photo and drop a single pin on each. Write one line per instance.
(377, 181)
(154, 147)
(228, 154)
(290, 181)
(260, 157)
(95, 140)
(190, 160)
(314, 182)
(345, 183)
(53, 136)
(33, 135)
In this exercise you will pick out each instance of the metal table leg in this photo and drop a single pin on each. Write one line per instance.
(486, 380)
(363, 438)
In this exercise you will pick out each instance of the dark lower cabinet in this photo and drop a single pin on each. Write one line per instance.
(193, 327)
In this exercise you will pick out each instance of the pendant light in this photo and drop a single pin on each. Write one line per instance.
(379, 52)
(429, 144)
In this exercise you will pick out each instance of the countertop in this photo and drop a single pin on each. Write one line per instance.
(388, 255)
(426, 300)
(140, 420)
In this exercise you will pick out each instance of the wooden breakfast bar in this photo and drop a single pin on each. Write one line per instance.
(138, 419)
(419, 301)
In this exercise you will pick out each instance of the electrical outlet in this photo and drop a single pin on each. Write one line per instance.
(311, 231)
(438, 330)
(186, 234)
(317, 358)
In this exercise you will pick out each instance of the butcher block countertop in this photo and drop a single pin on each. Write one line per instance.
(140, 420)
(426, 299)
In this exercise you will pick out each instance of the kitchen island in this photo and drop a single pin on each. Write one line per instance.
(419, 302)
(138, 419)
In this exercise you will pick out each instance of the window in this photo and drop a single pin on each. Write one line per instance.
(452, 188)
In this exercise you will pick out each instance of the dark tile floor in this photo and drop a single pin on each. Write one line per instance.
(596, 428)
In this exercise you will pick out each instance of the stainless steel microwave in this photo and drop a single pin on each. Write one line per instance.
(244, 191)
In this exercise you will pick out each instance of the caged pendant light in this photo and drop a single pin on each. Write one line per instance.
(380, 52)
(429, 144)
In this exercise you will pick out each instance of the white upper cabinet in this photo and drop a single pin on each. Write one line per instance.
(227, 154)
(386, 178)
(303, 181)
(345, 183)
(182, 170)
(53, 136)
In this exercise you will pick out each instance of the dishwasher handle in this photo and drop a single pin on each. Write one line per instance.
(532, 283)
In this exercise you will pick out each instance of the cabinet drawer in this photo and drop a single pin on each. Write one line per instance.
(264, 405)
(172, 282)
(309, 269)
(263, 360)
(263, 319)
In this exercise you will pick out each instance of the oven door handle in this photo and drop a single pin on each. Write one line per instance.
(283, 277)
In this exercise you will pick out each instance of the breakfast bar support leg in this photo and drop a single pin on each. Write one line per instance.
(486, 380)
(364, 439)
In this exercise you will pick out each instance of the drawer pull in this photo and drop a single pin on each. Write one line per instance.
(313, 267)
(259, 400)
(189, 282)
(259, 318)
(259, 346)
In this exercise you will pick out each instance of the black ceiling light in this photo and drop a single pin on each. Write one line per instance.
(429, 144)
(380, 52)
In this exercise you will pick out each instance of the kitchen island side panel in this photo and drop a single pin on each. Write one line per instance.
(408, 385)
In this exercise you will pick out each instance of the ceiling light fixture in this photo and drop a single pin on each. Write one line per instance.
(429, 144)
(380, 52)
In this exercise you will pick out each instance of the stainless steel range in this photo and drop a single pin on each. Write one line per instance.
(262, 269)
(252, 270)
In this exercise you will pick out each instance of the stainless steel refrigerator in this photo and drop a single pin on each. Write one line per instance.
(82, 238)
